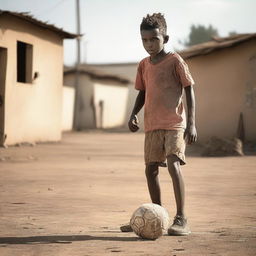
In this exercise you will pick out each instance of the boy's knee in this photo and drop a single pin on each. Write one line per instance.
(173, 165)
(173, 160)
(151, 170)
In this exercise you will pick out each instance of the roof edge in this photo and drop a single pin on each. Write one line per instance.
(100, 76)
(215, 45)
(29, 18)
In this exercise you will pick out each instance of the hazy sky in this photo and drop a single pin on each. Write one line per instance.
(111, 27)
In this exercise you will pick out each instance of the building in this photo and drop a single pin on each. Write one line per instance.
(31, 79)
(102, 100)
(225, 73)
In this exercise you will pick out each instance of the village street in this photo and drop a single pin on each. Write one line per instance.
(69, 199)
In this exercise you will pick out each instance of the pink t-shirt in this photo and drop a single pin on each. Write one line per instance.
(163, 83)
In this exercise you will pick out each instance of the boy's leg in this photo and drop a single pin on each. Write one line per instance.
(154, 156)
(179, 226)
(178, 183)
(153, 187)
(152, 171)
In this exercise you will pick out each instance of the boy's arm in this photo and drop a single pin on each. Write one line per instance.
(139, 103)
(190, 132)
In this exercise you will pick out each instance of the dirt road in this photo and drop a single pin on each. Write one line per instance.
(69, 198)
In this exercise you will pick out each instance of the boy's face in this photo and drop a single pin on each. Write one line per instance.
(153, 41)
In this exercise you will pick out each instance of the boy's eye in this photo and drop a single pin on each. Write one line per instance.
(150, 40)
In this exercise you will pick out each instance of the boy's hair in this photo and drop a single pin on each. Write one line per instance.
(156, 20)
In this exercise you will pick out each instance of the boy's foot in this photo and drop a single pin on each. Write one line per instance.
(179, 227)
(126, 228)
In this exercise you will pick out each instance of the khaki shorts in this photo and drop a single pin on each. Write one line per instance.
(160, 144)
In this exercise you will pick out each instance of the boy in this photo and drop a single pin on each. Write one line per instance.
(160, 80)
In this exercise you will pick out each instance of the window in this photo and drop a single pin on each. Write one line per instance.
(24, 62)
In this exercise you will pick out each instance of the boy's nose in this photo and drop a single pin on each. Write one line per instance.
(149, 45)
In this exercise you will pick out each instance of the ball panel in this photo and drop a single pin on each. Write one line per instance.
(153, 229)
(150, 221)
(150, 214)
(137, 223)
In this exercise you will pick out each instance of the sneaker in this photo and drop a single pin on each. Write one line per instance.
(126, 228)
(179, 227)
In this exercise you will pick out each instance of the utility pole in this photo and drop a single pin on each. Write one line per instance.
(77, 73)
(78, 26)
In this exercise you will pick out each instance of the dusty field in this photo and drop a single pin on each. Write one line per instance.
(69, 199)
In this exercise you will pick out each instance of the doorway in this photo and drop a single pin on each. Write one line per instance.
(3, 64)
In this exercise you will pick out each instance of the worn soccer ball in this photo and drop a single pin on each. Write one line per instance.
(150, 221)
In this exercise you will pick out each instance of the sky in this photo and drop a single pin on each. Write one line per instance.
(110, 28)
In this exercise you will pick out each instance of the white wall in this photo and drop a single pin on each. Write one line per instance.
(115, 103)
(68, 99)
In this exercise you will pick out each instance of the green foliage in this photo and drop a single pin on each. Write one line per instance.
(232, 33)
(200, 34)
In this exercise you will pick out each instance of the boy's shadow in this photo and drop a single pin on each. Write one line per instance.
(62, 239)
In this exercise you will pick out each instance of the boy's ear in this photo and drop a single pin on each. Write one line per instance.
(166, 39)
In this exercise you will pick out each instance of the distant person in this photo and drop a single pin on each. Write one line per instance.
(161, 78)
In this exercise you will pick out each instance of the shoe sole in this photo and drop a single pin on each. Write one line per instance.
(179, 234)
(126, 229)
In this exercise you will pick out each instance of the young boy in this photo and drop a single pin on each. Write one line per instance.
(160, 80)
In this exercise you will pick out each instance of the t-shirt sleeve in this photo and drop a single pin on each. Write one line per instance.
(139, 84)
(183, 73)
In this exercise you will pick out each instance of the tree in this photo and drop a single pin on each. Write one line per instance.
(232, 33)
(200, 34)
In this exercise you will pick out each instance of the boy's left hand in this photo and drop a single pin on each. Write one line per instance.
(190, 134)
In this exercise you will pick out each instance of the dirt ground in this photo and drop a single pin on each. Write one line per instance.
(69, 199)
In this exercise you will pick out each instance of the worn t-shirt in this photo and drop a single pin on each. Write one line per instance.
(163, 84)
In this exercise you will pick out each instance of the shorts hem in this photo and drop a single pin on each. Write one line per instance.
(159, 163)
(181, 158)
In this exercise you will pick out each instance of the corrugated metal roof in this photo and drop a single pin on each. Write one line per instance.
(96, 74)
(216, 44)
(29, 18)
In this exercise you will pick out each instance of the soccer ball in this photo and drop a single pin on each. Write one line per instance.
(150, 221)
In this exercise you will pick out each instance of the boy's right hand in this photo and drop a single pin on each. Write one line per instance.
(133, 123)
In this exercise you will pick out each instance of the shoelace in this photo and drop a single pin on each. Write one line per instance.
(178, 220)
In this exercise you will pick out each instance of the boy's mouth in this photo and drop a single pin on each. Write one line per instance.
(150, 51)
